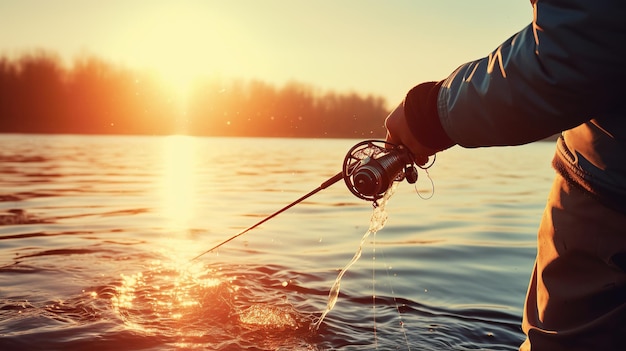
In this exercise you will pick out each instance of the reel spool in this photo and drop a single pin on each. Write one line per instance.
(371, 166)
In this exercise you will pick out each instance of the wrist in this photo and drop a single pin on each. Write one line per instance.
(422, 117)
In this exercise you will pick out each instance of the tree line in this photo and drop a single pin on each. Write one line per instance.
(38, 94)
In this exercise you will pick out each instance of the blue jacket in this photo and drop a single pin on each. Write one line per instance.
(565, 72)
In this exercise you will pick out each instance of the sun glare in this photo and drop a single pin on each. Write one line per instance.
(183, 44)
(178, 186)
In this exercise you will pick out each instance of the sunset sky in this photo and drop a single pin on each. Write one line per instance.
(379, 47)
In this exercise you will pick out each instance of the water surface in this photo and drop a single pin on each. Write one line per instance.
(96, 234)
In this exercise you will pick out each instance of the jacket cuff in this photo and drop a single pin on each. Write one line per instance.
(420, 111)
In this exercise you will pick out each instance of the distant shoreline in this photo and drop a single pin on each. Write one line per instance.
(551, 139)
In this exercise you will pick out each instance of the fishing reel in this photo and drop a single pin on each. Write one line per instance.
(371, 166)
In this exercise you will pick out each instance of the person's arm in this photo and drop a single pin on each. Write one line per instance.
(562, 70)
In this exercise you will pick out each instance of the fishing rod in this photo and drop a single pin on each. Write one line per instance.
(369, 169)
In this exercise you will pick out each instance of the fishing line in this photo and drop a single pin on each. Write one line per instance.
(432, 183)
(395, 301)
(432, 187)
(377, 222)
(374, 291)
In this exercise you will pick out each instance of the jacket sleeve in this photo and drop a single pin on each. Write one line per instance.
(563, 69)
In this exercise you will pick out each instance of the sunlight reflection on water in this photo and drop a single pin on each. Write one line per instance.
(179, 183)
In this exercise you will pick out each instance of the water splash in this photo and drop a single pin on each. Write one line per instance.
(269, 316)
(377, 222)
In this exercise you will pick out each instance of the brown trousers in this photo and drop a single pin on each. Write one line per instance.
(576, 298)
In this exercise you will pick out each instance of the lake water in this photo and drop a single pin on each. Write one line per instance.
(97, 232)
